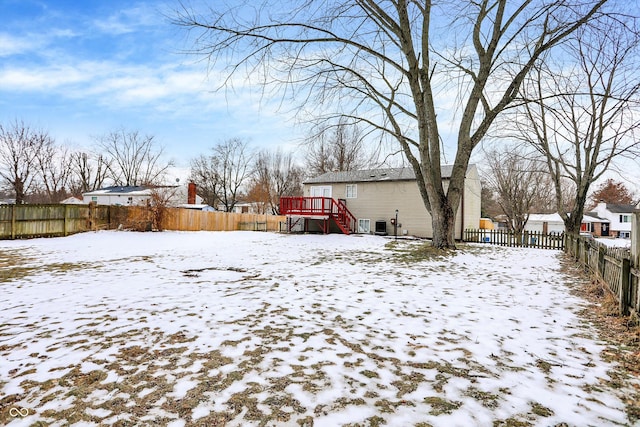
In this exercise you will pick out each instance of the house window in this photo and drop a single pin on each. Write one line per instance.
(364, 226)
(94, 198)
(625, 218)
(625, 234)
(352, 191)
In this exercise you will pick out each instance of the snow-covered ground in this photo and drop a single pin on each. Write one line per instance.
(243, 328)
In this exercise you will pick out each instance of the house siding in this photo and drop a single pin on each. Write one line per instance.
(378, 201)
(604, 210)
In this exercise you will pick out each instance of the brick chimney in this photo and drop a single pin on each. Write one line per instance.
(191, 193)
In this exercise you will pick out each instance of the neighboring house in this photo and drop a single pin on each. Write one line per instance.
(619, 217)
(243, 207)
(545, 223)
(141, 195)
(592, 223)
(118, 196)
(198, 207)
(373, 196)
(72, 201)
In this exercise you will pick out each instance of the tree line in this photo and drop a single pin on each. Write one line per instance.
(231, 171)
(34, 168)
(517, 183)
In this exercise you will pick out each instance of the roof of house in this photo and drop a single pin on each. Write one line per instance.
(618, 208)
(118, 189)
(72, 201)
(552, 217)
(375, 175)
(593, 217)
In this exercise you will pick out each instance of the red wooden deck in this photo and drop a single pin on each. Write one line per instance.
(319, 208)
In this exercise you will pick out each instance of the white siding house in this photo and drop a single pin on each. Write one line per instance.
(619, 217)
(545, 223)
(118, 196)
(138, 195)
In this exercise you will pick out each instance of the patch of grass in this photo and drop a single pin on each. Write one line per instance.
(488, 400)
(14, 265)
(511, 422)
(441, 406)
(408, 383)
(544, 366)
(540, 410)
(370, 374)
(376, 421)
(411, 252)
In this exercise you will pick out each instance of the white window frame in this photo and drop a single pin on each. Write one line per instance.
(361, 222)
(351, 192)
(625, 218)
(625, 234)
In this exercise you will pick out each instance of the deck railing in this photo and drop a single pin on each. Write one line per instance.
(326, 207)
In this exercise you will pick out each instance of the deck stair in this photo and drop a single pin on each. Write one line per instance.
(322, 209)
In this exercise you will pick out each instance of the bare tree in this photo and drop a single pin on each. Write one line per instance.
(580, 118)
(275, 175)
(520, 184)
(88, 172)
(19, 145)
(133, 159)
(53, 165)
(204, 173)
(234, 161)
(405, 68)
(338, 147)
(222, 175)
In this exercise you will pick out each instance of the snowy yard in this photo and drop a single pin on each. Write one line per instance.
(243, 329)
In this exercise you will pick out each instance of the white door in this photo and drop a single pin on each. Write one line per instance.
(321, 191)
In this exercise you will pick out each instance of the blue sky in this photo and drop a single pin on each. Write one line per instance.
(81, 68)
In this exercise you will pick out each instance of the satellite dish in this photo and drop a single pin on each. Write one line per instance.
(177, 179)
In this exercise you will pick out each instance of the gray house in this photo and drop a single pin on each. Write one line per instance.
(373, 196)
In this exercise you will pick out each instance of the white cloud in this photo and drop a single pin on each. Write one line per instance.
(128, 20)
(11, 45)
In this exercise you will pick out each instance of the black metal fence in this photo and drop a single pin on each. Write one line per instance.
(526, 239)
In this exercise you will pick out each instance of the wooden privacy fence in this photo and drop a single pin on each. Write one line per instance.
(28, 221)
(613, 266)
(528, 239)
(193, 220)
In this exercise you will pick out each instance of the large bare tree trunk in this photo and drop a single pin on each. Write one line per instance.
(444, 216)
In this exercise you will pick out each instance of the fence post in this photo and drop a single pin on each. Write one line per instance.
(13, 221)
(624, 286)
(66, 222)
(601, 253)
(585, 253)
(92, 215)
